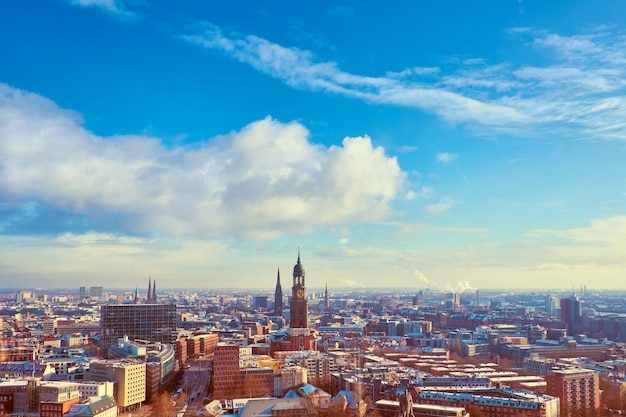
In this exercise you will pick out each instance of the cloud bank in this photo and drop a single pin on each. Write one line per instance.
(263, 181)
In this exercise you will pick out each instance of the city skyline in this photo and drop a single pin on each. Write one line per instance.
(456, 145)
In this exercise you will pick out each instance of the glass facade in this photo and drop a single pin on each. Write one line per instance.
(151, 322)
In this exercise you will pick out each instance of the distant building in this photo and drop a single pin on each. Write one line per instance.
(571, 313)
(23, 296)
(552, 304)
(259, 301)
(96, 292)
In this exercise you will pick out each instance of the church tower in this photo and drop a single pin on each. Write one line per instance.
(278, 297)
(299, 304)
(326, 299)
(149, 296)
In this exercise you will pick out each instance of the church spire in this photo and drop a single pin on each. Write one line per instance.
(154, 298)
(278, 297)
(136, 294)
(326, 298)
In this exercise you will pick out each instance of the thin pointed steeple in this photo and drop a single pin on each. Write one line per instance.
(136, 294)
(278, 297)
(326, 298)
(154, 298)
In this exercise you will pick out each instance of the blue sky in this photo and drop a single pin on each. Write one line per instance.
(452, 144)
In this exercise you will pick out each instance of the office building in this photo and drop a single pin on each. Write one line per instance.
(552, 304)
(150, 322)
(23, 296)
(259, 301)
(226, 381)
(96, 292)
(129, 377)
(571, 313)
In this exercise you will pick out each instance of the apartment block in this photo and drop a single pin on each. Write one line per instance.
(578, 389)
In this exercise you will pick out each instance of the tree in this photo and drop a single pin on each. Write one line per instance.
(163, 405)
(181, 400)
(612, 394)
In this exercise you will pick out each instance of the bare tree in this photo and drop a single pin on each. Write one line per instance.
(163, 405)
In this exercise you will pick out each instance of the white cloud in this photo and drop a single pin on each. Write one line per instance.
(445, 157)
(263, 181)
(407, 148)
(111, 6)
(581, 94)
(300, 69)
(609, 231)
(441, 207)
(425, 192)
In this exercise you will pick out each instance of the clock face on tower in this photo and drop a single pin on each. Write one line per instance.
(300, 293)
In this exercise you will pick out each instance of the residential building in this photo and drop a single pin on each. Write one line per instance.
(578, 389)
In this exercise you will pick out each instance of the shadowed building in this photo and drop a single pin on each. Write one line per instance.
(571, 313)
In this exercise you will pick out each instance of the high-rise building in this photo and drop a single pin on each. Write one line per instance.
(578, 390)
(151, 322)
(96, 291)
(23, 296)
(299, 308)
(278, 298)
(259, 301)
(552, 304)
(571, 313)
(82, 293)
(226, 371)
